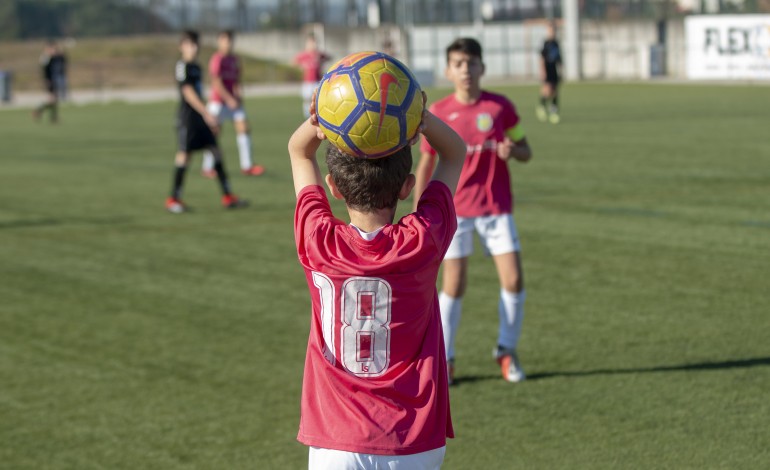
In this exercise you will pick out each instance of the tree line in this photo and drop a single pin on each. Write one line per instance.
(31, 19)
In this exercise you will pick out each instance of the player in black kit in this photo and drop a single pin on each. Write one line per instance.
(53, 63)
(550, 65)
(196, 128)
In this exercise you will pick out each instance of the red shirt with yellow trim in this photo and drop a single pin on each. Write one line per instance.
(485, 185)
(375, 377)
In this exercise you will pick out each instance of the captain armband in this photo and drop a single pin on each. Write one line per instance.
(515, 133)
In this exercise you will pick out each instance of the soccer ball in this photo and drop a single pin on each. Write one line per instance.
(369, 105)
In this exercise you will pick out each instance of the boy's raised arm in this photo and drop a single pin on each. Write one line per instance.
(450, 148)
(422, 175)
(303, 145)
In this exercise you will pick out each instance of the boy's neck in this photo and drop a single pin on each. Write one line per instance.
(371, 221)
(469, 96)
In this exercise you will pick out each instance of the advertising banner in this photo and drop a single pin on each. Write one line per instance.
(728, 47)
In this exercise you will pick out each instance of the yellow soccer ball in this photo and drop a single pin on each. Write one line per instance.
(369, 105)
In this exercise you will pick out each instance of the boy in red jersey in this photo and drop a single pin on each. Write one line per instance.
(490, 127)
(375, 391)
(226, 104)
(311, 62)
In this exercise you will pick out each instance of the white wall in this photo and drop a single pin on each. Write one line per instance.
(611, 49)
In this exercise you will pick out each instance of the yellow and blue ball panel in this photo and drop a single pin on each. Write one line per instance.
(369, 104)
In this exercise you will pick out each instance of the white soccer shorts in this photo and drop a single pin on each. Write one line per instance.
(223, 113)
(308, 88)
(498, 236)
(330, 459)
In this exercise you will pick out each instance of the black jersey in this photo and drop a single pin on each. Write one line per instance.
(552, 58)
(192, 131)
(189, 73)
(54, 68)
(551, 52)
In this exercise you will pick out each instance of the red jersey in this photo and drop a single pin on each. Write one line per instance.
(485, 185)
(311, 63)
(227, 68)
(375, 372)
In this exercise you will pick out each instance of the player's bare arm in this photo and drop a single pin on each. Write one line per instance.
(450, 148)
(238, 92)
(303, 146)
(516, 149)
(422, 174)
(230, 100)
(191, 97)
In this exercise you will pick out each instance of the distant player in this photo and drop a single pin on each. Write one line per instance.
(490, 127)
(60, 72)
(226, 104)
(195, 127)
(374, 393)
(53, 64)
(311, 61)
(550, 74)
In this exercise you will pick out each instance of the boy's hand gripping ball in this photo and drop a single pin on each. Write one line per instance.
(369, 105)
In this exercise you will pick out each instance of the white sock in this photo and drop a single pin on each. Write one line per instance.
(511, 310)
(208, 161)
(244, 150)
(451, 308)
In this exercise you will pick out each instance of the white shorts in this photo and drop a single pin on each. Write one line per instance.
(308, 88)
(223, 113)
(498, 235)
(330, 459)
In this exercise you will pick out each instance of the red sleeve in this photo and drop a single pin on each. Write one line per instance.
(312, 208)
(510, 117)
(436, 209)
(215, 64)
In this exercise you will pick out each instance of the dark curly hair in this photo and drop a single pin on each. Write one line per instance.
(468, 46)
(369, 184)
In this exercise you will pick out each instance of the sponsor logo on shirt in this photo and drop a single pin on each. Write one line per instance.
(488, 144)
(453, 116)
(484, 122)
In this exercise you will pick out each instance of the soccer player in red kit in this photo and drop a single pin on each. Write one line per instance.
(375, 391)
(490, 127)
(311, 62)
(226, 104)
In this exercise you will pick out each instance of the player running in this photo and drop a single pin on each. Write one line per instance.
(550, 67)
(374, 393)
(311, 61)
(226, 104)
(195, 127)
(490, 127)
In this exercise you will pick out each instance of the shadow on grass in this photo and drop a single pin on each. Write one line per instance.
(11, 224)
(29, 223)
(699, 366)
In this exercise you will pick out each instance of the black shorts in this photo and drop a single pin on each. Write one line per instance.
(193, 136)
(551, 77)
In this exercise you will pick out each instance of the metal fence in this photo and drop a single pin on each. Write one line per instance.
(255, 15)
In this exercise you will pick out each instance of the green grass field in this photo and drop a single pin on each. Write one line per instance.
(134, 339)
